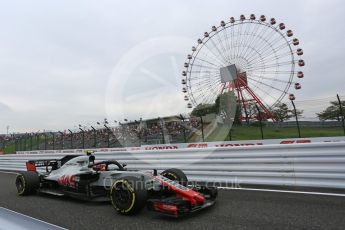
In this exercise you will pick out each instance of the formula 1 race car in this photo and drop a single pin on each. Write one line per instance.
(129, 191)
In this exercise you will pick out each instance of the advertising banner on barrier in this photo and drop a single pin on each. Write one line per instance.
(243, 143)
(216, 144)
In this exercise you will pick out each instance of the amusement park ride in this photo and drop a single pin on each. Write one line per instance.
(254, 58)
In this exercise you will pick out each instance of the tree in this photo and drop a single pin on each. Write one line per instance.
(332, 112)
(252, 111)
(282, 113)
(203, 109)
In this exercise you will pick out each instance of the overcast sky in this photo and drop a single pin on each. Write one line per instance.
(62, 62)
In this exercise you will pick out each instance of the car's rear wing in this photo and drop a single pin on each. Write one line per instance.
(31, 165)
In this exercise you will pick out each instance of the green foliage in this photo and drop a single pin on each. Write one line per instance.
(282, 113)
(257, 124)
(332, 112)
(203, 109)
(10, 149)
(253, 133)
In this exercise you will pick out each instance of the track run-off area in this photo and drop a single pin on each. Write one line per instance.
(235, 209)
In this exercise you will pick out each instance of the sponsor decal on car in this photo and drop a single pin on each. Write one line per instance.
(68, 181)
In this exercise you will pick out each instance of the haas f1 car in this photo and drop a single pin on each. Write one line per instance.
(129, 191)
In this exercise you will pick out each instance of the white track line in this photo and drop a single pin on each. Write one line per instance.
(53, 225)
(285, 191)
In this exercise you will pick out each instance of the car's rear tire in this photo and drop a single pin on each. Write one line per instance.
(176, 175)
(128, 195)
(27, 183)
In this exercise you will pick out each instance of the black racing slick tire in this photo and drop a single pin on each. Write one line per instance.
(128, 195)
(27, 183)
(176, 175)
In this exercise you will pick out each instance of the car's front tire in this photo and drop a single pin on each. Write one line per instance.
(128, 195)
(27, 183)
(176, 175)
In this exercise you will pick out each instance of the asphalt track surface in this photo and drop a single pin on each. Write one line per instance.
(235, 209)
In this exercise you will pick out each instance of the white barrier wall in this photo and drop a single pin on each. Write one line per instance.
(217, 144)
(307, 164)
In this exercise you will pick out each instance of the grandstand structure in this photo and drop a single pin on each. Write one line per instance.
(172, 129)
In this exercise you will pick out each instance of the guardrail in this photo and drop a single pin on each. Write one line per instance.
(319, 165)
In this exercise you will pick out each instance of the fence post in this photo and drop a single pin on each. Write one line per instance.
(62, 139)
(38, 141)
(71, 138)
(162, 129)
(3, 145)
(341, 113)
(94, 136)
(83, 137)
(45, 141)
(123, 134)
(138, 128)
(260, 121)
(53, 140)
(294, 108)
(230, 134)
(20, 143)
(25, 137)
(202, 129)
(108, 135)
(184, 129)
(30, 141)
(145, 133)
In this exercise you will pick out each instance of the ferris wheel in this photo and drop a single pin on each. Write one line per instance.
(256, 58)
